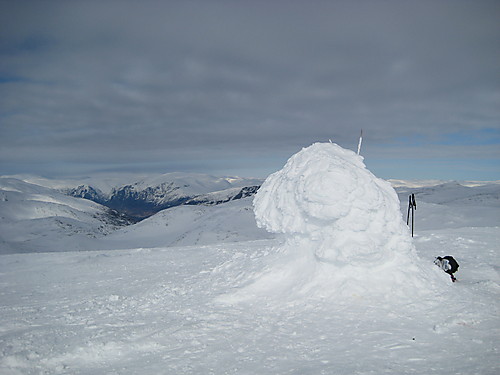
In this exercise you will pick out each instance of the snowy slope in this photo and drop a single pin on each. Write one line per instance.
(142, 196)
(164, 310)
(190, 225)
(195, 183)
(454, 194)
(36, 219)
(148, 196)
(218, 197)
(453, 205)
(156, 312)
(415, 184)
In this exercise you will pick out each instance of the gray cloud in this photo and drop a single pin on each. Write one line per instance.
(198, 82)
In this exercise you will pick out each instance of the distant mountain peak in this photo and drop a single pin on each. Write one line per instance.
(147, 196)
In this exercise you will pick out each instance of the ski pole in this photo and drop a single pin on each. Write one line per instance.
(412, 219)
(413, 208)
(409, 208)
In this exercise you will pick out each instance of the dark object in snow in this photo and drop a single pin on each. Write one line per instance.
(412, 206)
(448, 264)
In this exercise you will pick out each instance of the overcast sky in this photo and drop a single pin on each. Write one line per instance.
(237, 87)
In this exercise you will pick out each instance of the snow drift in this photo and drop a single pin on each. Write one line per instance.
(343, 231)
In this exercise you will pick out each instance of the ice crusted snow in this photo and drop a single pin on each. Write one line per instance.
(152, 309)
(343, 231)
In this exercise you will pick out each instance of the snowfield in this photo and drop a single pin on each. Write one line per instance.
(39, 219)
(176, 294)
(156, 311)
(190, 225)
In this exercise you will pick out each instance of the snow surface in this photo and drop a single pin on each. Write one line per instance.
(429, 183)
(190, 225)
(154, 309)
(37, 219)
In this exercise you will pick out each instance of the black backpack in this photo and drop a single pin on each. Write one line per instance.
(453, 263)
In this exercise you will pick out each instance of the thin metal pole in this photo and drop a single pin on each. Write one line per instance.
(412, 218)
(409, 207)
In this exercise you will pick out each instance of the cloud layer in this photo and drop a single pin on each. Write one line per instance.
(223, 85)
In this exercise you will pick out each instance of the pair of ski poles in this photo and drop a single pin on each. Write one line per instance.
(412, 206)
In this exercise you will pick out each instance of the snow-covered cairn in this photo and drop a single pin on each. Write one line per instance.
(325, 195)
(343, 229)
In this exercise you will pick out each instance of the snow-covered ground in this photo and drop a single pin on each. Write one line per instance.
(34, 218)
(189, 226)
(165, 297)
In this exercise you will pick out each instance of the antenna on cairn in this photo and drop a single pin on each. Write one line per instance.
(360, 140)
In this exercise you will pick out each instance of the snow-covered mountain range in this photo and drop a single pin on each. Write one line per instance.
(148, 196)
(39, 215)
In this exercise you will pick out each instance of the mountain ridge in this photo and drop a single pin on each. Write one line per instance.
(146, 197)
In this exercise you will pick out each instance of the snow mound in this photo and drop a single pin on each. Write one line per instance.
(326, 194)
(343, 230)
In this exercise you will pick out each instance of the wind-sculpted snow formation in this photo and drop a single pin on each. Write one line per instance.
(343, 230)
